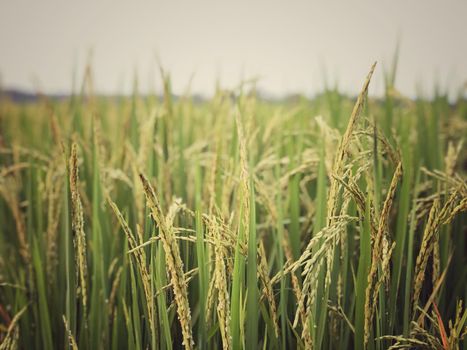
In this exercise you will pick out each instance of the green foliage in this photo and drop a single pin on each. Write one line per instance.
(228, 174)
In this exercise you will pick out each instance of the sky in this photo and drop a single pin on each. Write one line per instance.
(293, 46)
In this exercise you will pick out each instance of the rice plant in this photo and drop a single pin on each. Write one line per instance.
(237, 223)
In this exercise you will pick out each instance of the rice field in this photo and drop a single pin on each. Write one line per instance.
(154, 222)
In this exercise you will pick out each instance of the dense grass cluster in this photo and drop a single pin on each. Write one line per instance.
(149, 223)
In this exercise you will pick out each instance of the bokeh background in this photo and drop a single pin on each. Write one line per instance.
(291, 46)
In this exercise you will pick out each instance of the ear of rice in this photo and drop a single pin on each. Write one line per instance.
(77, 224)
(174, 263)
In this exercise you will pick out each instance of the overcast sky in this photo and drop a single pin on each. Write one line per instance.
(290, 45)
